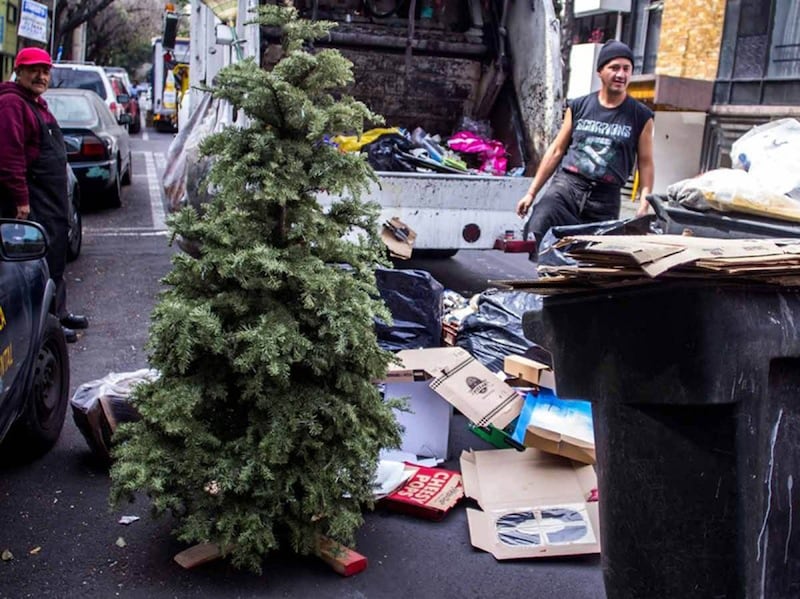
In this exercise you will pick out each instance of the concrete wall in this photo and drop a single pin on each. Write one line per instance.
(691, 32)
(433, 96)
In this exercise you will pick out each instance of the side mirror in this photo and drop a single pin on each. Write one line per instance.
(123, 98)
(21, 240)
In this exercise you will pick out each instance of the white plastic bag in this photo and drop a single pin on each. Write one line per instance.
(734, 190)
(771, 154)
(99, 406)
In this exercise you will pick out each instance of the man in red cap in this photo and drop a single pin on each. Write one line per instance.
(33, 168)
(603, 134)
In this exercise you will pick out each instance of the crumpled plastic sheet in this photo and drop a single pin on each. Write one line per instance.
(733, 190)
(414, 298)
(491, 152)
(769, 153)
(495, 330)
(99, 406)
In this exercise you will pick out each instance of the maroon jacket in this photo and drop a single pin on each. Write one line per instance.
(19, 145)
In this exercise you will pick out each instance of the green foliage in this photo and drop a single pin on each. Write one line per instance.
(264, 428)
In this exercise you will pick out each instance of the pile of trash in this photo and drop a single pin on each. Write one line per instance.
(470, 150)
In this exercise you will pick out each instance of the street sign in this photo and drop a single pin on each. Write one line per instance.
(33, 21)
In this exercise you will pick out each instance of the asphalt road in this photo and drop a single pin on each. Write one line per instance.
(54, 514)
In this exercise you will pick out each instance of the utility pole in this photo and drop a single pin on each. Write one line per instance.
(53, 30)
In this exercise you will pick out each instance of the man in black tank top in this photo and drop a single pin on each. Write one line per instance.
(603, 135)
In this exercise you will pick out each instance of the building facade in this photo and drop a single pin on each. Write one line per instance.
(9, 21)
(759, 73)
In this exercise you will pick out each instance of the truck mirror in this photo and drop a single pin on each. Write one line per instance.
(224, 34)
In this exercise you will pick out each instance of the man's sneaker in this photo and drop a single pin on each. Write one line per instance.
(75, 321)
(69, 334)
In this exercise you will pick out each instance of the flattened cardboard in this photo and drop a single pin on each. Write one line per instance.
(534, 504)
(462, 381)
(529, 371)
(428, 493)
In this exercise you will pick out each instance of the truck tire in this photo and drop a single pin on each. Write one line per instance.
(40, 424)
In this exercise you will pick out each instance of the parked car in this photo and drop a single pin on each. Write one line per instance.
(92, 77)
(120, 73)
(131, 106)
(98, 148)
(75, 235)
(34, 363)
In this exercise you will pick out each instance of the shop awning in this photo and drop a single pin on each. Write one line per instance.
(224, 10)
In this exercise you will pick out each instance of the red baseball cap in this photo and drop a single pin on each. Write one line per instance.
(29, 56)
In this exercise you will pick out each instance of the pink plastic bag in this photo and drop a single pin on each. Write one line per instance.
(491, 152)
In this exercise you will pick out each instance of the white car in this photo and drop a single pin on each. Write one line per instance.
(88, 76)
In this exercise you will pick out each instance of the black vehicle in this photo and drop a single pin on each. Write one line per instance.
(98, 148)
(34, 363)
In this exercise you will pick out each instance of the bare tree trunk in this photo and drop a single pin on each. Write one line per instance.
(69, 16)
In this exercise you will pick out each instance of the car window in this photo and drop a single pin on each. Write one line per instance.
(78, 79)
(71, 111)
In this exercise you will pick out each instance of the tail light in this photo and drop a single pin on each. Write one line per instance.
(93, 148)
(114, 109)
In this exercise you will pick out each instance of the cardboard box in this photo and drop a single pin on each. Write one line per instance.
(530, 371)
(534, 504)
(461, 381)
(428, 493)
(558, 426)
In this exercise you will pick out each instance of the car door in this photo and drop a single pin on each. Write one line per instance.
(16, 326)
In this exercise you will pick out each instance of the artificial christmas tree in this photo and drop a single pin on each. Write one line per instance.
(264, 428)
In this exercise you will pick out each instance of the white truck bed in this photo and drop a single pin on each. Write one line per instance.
(439, 206)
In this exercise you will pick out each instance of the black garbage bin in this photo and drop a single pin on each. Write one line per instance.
(696, 397)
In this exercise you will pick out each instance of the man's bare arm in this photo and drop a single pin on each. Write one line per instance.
(549, 164)
(647, 171)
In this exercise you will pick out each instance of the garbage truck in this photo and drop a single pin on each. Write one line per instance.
(475, 66)
(170, 82)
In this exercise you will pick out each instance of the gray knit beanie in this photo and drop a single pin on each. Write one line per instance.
(613, 49)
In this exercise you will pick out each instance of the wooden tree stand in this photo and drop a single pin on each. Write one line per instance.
(342, 559)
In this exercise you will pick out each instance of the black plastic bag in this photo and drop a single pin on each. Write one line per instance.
(414, 298)
(495, 330)
(386, 153)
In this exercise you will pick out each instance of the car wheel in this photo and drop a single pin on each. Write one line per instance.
(75, 234)
(127, 178)
(115, 194)
(40, 425)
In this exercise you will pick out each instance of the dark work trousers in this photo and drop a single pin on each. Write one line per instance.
(47, 194)
(572, 200)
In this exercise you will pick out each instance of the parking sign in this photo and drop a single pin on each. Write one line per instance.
(33, 21)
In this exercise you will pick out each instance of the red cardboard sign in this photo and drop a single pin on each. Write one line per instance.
(428, 493)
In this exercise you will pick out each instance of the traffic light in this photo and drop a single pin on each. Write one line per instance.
(170, 27)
